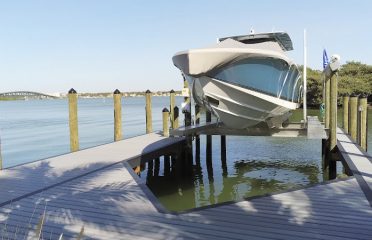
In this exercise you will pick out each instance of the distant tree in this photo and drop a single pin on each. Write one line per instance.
(314, 87)
(354, 77)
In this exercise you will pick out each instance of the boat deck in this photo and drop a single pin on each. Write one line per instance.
(94, 191)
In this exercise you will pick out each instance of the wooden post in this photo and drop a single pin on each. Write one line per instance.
(345, 119)
(187, 101)
(117, 116)
(173, 164)
(223, 155)
(156, 167)
(166, 165)
(345, 124)
(333, 126)
(363, 110)
(148, 112)
(353, 113)
(197, 137)
(208, 118)
(176, 117)
(150, 169)
(327, 101)
(165, 122)
(188, 156)
(73, 122)
(325, 160)
(171, 107)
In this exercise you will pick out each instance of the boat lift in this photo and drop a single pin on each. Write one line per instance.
(312, 129)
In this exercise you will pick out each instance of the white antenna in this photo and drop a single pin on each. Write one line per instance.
(305, 80)
(251, 31)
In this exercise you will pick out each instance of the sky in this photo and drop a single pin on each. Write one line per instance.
(98, 46)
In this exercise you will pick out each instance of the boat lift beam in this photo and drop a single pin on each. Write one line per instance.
(312, 130)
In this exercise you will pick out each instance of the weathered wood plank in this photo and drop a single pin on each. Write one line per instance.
(56, 170)
(358, 161)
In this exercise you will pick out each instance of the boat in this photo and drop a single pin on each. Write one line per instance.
(245, 80)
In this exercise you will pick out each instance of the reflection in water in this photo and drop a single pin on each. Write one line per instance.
(243, 171)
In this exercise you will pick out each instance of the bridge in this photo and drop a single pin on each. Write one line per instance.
(26, 94)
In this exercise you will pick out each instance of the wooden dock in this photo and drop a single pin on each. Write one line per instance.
(359, 162)
(94, 191)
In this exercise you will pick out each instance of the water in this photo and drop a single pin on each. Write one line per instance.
(36, 129)
(255, 166)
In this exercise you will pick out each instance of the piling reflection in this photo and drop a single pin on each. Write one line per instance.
(217, 178)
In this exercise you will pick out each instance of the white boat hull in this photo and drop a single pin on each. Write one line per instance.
(239, 107)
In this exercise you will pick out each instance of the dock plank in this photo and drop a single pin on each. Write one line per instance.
(42, 174)
(123, 213)
(102, 195)
(358, 161)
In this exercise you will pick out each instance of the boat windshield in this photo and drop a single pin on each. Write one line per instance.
(267, 75)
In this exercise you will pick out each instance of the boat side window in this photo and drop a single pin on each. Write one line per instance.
(296, 88)
(291, 78)
(289, 91)
(261, 74)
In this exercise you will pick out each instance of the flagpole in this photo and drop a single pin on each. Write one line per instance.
(305, 80)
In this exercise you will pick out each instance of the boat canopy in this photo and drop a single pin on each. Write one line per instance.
(282, 38)
(199, 62)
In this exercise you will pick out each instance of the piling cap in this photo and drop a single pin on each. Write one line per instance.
(72, 91)
(172, 91)
(117, 91)
(148, 91)
(165, 110)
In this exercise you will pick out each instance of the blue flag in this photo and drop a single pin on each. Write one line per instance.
(325, 59)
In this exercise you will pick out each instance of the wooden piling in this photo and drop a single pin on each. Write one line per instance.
(187, 101)
(166, 165)
(173, 161)
(333, 125)
(197, 114)
(345, 119)
(165, 122)
(363, 110)
(197, 137)
(327, 102)
(208, 118)
(188, 156)
(223, 155)
(223, 146)
(171, 107)
(150, 169)
(345, 123)
(176, 117)
(73, 120)
(117, 115)
(325, 160)
(156, 167)
(148, 112)
(353, 115)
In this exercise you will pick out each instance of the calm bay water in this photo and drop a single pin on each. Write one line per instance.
(36, 129)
